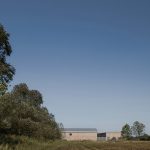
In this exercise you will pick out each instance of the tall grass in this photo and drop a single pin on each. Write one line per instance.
(33, 144)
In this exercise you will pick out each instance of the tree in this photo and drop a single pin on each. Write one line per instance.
(138, 129)
(35, 97)
(22, 92)
(6, 70)
(22, 113)
(126, 131)
(3, 88)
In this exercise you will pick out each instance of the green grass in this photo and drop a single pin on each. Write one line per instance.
(32, 144)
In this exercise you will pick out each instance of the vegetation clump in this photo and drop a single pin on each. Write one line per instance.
(21, 111)
(6, 70)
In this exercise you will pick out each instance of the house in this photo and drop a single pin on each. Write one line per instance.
(79, 134)
(108, 136)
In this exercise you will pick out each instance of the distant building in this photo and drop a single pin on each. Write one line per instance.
(108, 136)
(79, 134)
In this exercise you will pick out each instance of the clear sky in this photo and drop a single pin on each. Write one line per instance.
(89, 58)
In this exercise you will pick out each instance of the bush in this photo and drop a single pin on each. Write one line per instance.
(22, 113)
(145, 137)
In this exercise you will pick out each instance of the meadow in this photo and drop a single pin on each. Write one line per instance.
(84, 145)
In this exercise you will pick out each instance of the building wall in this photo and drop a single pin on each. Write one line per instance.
(110, 135)
(79, 136)
(101, 138)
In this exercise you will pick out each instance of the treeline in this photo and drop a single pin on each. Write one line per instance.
(22, 113)
(21, 110)
(135, 132)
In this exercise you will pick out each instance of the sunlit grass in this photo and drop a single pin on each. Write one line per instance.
(32, 144)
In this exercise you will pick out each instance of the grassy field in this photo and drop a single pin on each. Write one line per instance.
(64, 145)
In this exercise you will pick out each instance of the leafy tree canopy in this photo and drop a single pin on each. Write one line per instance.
(126, 131)
(22, 113)
(6, 70)
(138, 129)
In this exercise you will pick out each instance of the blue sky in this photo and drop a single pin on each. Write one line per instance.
(89, 58)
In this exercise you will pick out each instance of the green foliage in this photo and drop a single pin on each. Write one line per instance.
(145, 137)
(21, 110)
(136, 132)
(3, 88)
(6, 70)
(22, 113)
(138, 129)
(126, 131)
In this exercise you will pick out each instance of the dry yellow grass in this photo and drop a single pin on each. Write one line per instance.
(86, 145)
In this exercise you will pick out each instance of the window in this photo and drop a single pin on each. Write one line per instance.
(70, 134)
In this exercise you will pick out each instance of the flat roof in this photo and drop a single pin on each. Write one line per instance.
(79, 130)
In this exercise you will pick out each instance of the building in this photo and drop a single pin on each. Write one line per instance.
(79, 134)
(108, 136)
